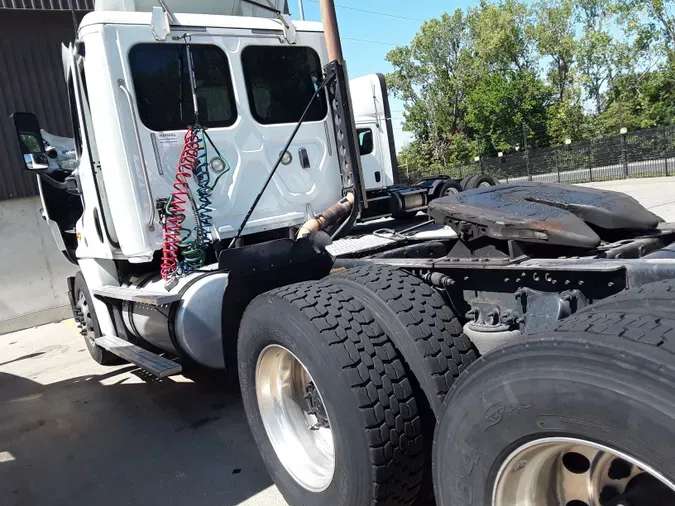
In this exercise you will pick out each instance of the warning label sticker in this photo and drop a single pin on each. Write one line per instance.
(168, 138)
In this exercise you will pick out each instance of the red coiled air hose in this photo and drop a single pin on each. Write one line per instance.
(176, 208)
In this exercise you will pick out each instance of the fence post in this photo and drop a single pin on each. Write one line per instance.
(590, 161)
(526, 154)
(665, 149)
(624, 156)
(557, 163)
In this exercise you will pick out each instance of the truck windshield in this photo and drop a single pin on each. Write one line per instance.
(280, 82)
(162, 86)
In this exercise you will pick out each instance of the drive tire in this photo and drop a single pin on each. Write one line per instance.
(88, 323)
(448, 188)
(478, 181)
(656, 298)
(419, 323)
(368, 397)
(605, 378)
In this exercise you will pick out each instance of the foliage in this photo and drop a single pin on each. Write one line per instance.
(507, 73)
(429, 75)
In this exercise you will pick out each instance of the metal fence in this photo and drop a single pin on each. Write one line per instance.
(642, 153)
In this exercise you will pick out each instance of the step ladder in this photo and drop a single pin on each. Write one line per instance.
(146, 360)
(135, 295)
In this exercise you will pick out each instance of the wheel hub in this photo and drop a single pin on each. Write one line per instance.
(573, 472)
(83, 318)
(315, 407)
(295, 418)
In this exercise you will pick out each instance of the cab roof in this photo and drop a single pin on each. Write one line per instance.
(191, 21)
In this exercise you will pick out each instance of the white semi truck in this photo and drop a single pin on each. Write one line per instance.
(518, 349)
(385, 193)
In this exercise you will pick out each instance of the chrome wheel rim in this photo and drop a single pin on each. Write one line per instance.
(450, 191)
(295, 418)
(484, 184)
(574, 472)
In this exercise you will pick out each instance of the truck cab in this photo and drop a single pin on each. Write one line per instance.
(180, 110)
(132, 95)
(385, 194)
(372, 115)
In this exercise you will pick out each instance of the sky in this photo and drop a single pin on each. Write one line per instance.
(367, 37)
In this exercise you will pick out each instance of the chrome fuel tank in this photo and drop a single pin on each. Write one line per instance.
(191, 327)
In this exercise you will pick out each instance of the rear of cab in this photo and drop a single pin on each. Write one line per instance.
(252, 87)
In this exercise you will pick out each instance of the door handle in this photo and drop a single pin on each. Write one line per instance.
(304, 158)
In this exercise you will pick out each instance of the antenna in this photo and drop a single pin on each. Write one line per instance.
(72, 13)
(172, 18)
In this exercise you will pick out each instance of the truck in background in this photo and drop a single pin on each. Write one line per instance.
(386, 195)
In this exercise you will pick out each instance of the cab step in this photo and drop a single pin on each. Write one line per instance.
(146, 360)
(135, 295)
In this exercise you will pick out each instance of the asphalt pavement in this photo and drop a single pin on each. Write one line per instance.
(657, 193)
(73, 432)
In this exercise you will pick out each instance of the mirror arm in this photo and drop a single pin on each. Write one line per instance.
(70, 185)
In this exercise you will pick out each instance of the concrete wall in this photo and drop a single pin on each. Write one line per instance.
(32, 270)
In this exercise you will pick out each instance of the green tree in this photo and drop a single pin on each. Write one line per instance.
(428, 75)
(609, 50)
(505, 91)
(507, 72)
(501, 37)
(500, 105)
(647, 100)
(554, 33)
(654, 19)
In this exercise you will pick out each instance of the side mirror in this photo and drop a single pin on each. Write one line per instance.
(30, 141)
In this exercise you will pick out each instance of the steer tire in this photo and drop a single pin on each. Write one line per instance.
(607, 378)
(362, 381)
(85, 317)
(419, 323)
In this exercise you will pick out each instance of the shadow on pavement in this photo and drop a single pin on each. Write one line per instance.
(161, 442)
(25, 357)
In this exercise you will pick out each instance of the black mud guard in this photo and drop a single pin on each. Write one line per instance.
(258, 268)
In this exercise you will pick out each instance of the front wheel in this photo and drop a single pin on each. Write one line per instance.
(328, 399)
(570, 419)
(85, 317)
